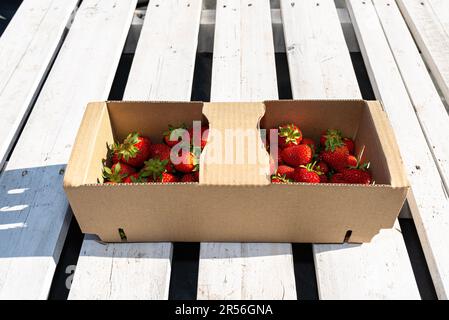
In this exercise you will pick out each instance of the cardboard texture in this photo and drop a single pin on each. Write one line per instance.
(235, 201)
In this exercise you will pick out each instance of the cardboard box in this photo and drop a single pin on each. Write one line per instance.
(235, 202)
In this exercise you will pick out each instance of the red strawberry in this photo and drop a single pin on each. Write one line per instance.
(275, 179)
(188, 163)
(162, 152)
(117, 172)
(337, 178)
(204, 136)
(153, 168)
(349, 143)
(335, 155)
(306, 174)
(189, 177)
(310, 143)
(134, 150)
(170, 130)
(166, 177)
(331, 134)
(322, 167)
(285, 171)
(197, 175)
(289, 135)
(297, 155)
(357, 176)
(279, 179)
(123, 168)
(323, 178)
(135, 178)
(352, 161)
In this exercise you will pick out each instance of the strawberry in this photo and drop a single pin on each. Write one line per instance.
(280, 161)
(349, 143)
(285, 171)
(123, 168)
(166, 177)
(324, 179)
(357, 175)
(204, 136)
(168, 133)
(351, 161)
(297, 155)
(310, 143)
(134, 150)
(279, 179)
(322, 167)
(188, 163)
(162, 152)
(153, 168)
(197, 175)
(331, 134)
(335, 153)
(337, 178)
(306, 174)
(117, 172)
(189, 177)
(135, 178)
(337, 158)
(289, 135)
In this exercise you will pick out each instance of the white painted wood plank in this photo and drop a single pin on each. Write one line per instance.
(162, 69)
(428, 198)
(429, 23)
(166, 51)
(27, 48)
(319, 62)
(207, 27)
(121, 271)
(441, 10)
(31, 194)
(321, 68)
(431, 112)
(244, 69)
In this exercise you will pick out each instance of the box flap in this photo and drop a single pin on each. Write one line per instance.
(234, 154)
(94, 130)
(389, 145)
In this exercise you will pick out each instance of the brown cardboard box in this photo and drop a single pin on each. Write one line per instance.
(235, 202)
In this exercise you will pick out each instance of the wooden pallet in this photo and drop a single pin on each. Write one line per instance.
(33, 207)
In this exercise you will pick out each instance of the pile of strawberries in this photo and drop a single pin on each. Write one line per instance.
(138, 160)
(331, 161)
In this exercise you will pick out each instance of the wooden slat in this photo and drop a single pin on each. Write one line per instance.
(33, 210)
(428, 20)
(207, 28)
(244, 69)
(121, 271)
(321, 68)
(428, 199)
(429, 108)
(162, 69)
(27, 48)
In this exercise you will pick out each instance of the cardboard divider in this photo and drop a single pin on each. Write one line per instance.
(234, 154)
